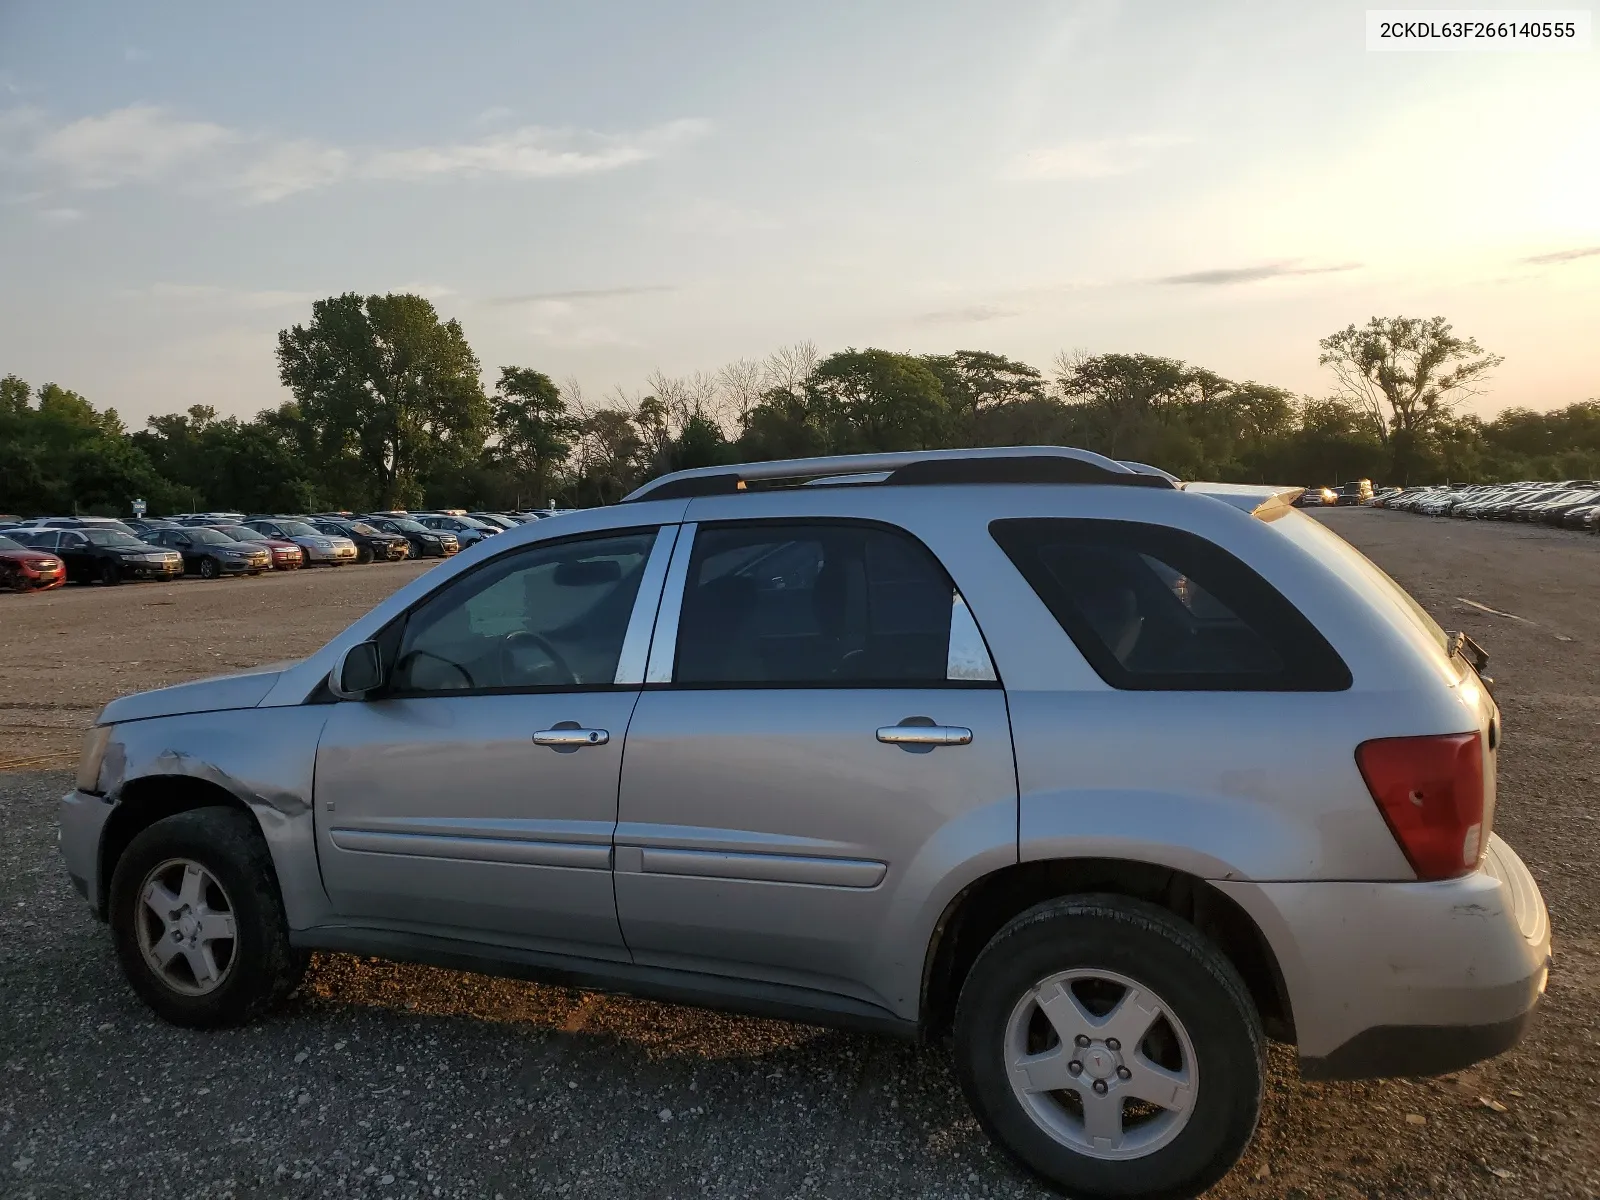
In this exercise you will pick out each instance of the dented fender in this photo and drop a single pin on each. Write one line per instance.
(263, 757)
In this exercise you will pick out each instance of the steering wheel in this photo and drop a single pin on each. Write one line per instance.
(403, 667)
(514, 639)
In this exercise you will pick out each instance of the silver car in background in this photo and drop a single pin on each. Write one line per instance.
(326, 548)
(1111, 779)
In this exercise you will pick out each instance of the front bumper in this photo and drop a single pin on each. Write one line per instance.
(82, 819)
(1392, 979)
(315, 554)
(157, 571)
(40, 582)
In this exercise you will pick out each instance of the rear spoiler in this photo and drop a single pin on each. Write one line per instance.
(1265, 502)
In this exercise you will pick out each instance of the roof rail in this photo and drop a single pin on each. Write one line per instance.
(991, 464)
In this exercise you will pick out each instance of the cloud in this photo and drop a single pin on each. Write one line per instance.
(533, 152)
(493, 115)
(1098, 158)
(60, 216)
(134, 54)
(285, 168)
(1561, 256)
(146, 143)
(580, 294)
(964, 316)
(1226, 275)
(213, 296)
(139, 142)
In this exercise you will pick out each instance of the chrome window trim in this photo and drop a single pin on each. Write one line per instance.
(635, 656)
(664, 645)
(968, 657)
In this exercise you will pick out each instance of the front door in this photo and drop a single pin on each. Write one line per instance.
(824, 740)
(477, 796)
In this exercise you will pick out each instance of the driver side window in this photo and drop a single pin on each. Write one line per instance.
(549, 617)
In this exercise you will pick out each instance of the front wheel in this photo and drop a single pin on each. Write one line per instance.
(109, 574)
(1111, 1049)
(198, 922)
(209, 568)
(364, 555)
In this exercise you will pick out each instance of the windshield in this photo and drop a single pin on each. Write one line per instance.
(7, 544)
(110, 537)
(361, 527)
(474, 523)
(243, 533)
(406, 526)
(300, 529)
(206, 536)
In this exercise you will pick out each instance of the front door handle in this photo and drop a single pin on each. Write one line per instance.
(571, 737)
(925, 735)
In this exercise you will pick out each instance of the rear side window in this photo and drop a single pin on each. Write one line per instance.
(822, 605)
(1159, 609)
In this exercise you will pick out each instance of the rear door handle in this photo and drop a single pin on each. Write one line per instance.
(572, 737)
(925, 735)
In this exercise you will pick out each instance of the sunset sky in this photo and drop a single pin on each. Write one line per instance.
(602, 189)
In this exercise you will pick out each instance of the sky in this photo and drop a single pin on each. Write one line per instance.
(605, 189)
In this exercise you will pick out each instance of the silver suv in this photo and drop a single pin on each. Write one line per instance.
(992, 744)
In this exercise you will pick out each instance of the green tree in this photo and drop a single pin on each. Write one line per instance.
(1406, 373)
(534, 430)
(977, 381)
(383, 379)
(878, 400)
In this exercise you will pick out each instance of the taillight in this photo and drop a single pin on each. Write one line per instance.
(1431, 792)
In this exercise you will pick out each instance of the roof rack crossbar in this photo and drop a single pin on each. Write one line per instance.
(991, 464)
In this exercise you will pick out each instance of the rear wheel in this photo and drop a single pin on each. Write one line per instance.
(1111, 1049)
(198, 921)
(110, 574)
(209, 568)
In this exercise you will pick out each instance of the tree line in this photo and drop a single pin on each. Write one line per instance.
(387, 409)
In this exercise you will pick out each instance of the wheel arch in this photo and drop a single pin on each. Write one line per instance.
(142, 802)
(980, 909)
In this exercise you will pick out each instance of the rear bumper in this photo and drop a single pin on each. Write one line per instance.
(1392, 979)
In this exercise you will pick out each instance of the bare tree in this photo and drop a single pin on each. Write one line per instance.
(742, 383)
(1406, 373)
(790, 366)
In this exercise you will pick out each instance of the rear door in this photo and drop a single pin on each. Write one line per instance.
(822, 736)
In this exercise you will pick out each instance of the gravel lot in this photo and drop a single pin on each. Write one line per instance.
(391, 1081)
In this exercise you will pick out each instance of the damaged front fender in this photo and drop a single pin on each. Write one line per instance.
(260, 758)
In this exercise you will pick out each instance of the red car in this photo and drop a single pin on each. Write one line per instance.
(24, 569)
(286, 556)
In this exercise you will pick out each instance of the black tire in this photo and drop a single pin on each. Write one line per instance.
(364, 555)
(110, 573)
(209, 568)
(1150, 946)
(263, 968)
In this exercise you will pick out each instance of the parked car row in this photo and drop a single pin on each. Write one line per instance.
(46, 552)
(1358, 491)
(1574, 504)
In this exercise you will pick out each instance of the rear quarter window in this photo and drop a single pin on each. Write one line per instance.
(1159, 609)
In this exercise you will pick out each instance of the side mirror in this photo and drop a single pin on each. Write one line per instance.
(358, 672)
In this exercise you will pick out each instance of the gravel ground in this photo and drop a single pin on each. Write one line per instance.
(393, 1081)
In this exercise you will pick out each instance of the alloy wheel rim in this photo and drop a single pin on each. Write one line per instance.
(186, 929)
(1101, 1064)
